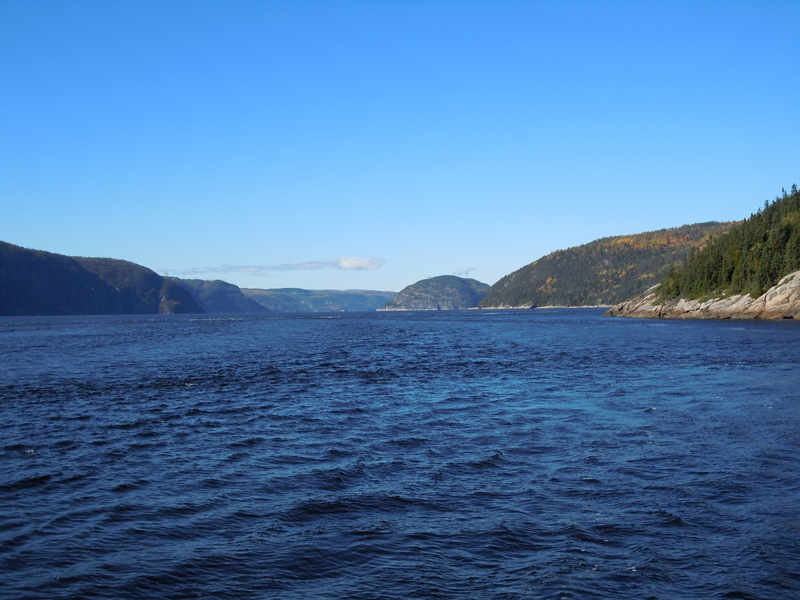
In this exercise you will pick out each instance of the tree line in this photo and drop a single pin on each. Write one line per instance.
(605, 271)
(749, 259)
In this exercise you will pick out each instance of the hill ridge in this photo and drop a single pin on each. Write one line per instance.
(601, 273)
(443, 292)
(36, 282)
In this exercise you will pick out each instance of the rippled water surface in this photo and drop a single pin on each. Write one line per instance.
(509, 454)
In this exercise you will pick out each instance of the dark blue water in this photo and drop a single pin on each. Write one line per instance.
(519, 454)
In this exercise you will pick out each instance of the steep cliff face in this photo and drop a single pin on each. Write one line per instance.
(139, 290)
(175, 300)
(219, 296)
(446, 292)
(781, 301)
(34, 282)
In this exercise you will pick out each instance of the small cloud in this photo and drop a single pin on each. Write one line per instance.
(347, 264)
(465, 272)
(359, 264)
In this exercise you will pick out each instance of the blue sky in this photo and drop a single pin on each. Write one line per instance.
(372, 144)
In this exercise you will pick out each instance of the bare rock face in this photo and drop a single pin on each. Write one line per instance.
(781, 301)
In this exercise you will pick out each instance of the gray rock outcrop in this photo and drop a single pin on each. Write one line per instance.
(781, 301)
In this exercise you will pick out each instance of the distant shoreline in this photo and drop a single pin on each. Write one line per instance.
(540, 307)
(587, 306)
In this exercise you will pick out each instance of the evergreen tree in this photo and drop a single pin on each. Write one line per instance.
(750, 258)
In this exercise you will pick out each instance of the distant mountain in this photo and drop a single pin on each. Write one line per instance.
(603, 272)
(300, 300)
(220, 296)
(446, 292)
(34, 282)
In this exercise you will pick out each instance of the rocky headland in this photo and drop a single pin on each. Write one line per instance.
(34, 282)
(446, 292)
(782, 301)
(219, 297)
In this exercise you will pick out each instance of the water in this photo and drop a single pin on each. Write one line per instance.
(511, 454)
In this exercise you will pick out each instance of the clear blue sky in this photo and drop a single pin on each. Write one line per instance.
(263, 142)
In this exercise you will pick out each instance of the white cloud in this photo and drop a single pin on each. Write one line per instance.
(346, 263)
(359, 264)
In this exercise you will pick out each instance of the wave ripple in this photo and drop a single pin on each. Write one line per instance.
(528, 454)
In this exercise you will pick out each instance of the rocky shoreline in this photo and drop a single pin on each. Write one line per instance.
(781, 301)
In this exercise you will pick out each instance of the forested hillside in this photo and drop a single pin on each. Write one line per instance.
(34, 282)
(606, 271)
(135, 289)
(751, 258)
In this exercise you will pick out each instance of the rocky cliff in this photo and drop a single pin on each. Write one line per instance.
(219, 296)
(34, 282)
(446, 292)
(781, 301)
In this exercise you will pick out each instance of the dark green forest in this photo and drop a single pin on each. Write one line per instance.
(606, 271)
(749, 259)
(34, 282)
(219, 296)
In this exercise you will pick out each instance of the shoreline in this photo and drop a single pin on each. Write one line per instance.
(546, 307)
(781, 301)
